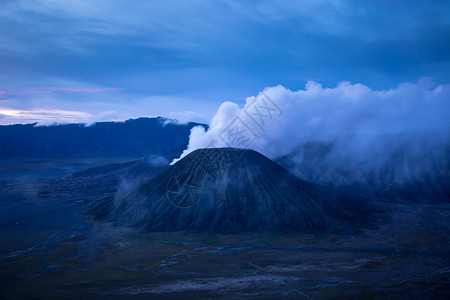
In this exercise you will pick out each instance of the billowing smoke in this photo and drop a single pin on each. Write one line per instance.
(279, 120)
(337, 130)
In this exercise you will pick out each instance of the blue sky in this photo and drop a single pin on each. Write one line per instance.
(72, 60)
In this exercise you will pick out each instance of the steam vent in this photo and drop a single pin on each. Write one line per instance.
(219, 190)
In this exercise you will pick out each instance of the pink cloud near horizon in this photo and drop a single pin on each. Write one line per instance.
(91, 90)
(47, 90)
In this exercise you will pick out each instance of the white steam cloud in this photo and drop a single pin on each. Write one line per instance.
(279, 121)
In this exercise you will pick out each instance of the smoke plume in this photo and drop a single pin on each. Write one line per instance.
(278, 121)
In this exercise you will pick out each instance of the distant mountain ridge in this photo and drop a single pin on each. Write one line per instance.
(134, 137)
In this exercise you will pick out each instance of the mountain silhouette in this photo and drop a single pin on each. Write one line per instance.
(220, 190)
(133, 138)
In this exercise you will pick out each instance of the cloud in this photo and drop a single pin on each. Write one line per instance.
(48, 90)
(91, 90)
(124, 105)
(184, 117)
(54, 116)
(278, 121)
(253, 44)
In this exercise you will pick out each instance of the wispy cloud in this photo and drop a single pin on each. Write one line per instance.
(48, 90)
(9, 116)
(91, 90)
(54, 116)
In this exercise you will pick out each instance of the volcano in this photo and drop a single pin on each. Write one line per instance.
(219, 190)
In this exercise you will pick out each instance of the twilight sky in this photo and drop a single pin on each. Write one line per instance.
(74, 60)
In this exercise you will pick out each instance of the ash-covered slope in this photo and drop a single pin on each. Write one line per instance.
(220, 190)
